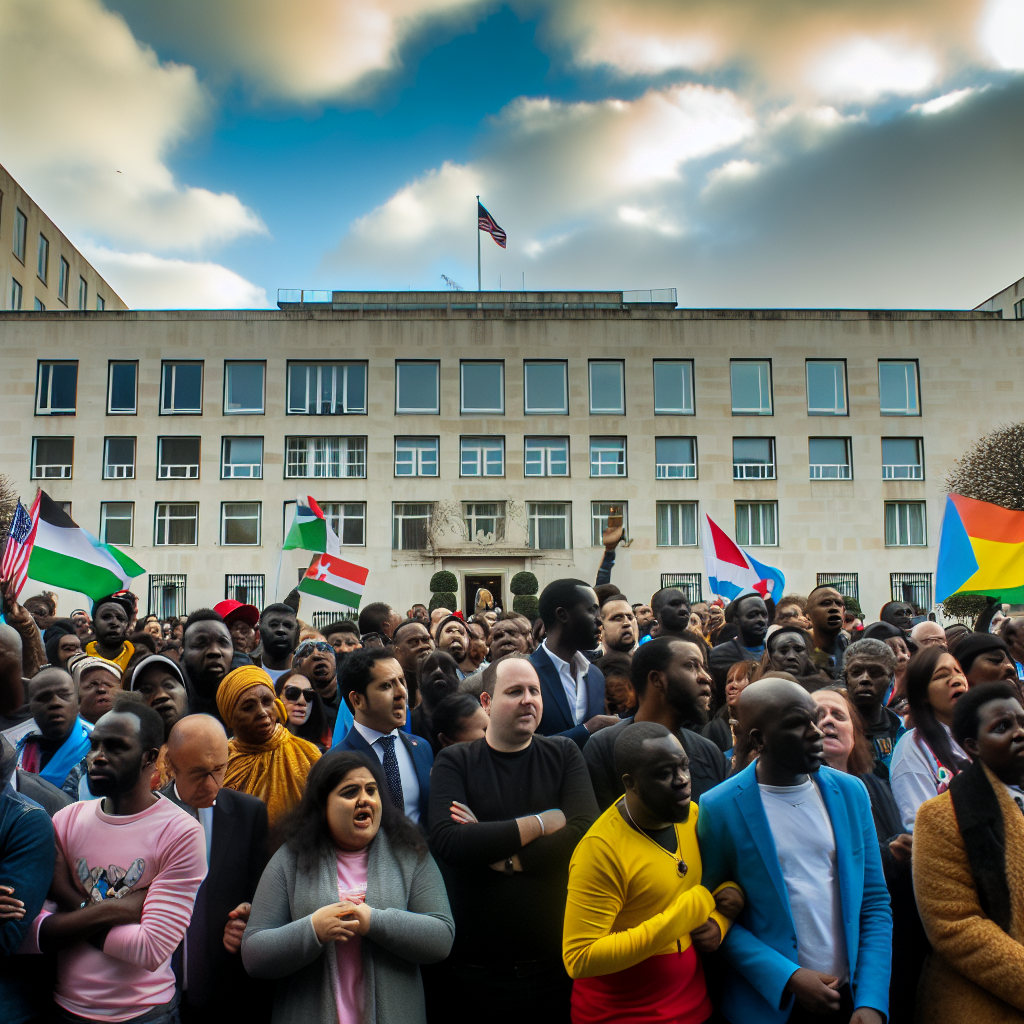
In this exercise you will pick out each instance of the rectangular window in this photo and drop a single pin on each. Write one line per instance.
(417, 388)
(546, 456)
(902, 458)
(483, 456)
(673, 387)
(550, 525)
(545, 389)
(327, 389)
(607, 456)
(83, 293)
(898, 393)
(176, 524)
(675, 458)
(63, 280)
(240, 523)
(409, 526)
(101, 303)
(43, 259)
(333, 457)
(751, 381)
(604, 514)
(847, 583)
(17, 294)
(829, 458)
(483, 387)
(246, 588)
(607, 388)
(415, 456)
(677, 524)
(826, 387)
(243, 388)
(348, 520)
(753, 458)
(57, 389)
(122, 388)
(167, 594)
(181, 389)
(52, 458)
(485, 521)
(119, 458)
(20, 234)
(117, 521)
(37, 305)
(757, 523)
(178, 458)
(905, 524)
(914, 588)
(241, 457)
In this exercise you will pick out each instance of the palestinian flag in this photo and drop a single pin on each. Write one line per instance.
(334, 579)
(310, 530)
(65, 555)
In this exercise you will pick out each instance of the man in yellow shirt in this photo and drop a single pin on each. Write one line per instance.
(637, 915)
(111, 617)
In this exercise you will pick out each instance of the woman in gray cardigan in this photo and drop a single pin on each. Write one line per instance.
(309, 913)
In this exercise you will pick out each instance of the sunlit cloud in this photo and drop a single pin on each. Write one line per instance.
(1001, 33)
(861, 70)
(944, 102)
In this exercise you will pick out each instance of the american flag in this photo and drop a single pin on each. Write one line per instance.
(18, 549)
(485, 222)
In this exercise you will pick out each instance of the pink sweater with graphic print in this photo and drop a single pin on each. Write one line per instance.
(162, 848)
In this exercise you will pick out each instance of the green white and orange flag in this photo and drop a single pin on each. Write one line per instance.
(334, 579)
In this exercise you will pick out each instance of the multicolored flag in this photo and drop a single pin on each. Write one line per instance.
(731, 570)
(334, 579)
(981, 551)
(21, 536)
(485, 222)
(310, 530)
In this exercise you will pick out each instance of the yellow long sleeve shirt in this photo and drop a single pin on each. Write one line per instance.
(626, 899)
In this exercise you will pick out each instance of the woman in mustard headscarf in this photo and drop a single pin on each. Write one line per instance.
(265, 759)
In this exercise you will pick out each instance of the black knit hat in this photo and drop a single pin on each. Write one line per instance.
(972, 646)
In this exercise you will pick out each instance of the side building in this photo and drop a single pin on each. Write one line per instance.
(488, 433)
(1009, 302)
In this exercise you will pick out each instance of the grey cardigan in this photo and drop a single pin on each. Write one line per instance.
(410, 924)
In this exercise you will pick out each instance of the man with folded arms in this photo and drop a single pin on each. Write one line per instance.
(636, 914)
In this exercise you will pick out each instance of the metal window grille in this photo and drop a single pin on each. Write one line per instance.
(247, 587)
(913, 587)
(341, 611)
(845, 582)
(167, 595)
(688, 582)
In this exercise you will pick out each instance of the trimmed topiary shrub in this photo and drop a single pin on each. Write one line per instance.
(964, 607)
(853, 605)
(527, 604)
(523, 584)
(443, 600)
(444, 582)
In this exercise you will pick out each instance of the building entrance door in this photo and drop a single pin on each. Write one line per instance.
(471, 583)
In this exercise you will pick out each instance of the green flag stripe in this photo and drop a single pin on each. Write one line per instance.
(307, 536)
(130, 568)
(336, 594)
(1009, 595)
(63, 570)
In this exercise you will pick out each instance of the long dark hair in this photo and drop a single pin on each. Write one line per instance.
(314, 728)
(305, 830)
(920, 670)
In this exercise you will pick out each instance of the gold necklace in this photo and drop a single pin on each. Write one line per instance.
(681, 866)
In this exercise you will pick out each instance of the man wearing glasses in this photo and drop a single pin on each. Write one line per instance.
(317, 661)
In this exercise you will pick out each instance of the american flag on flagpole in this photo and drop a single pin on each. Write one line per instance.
(20, 537)
(485, 222)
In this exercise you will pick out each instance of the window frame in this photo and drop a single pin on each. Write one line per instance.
(466, 410)
(679, 505)
(64, 281)
(848, 443)
(917, 387)
(167, 520)
(418, 461)
(106, 459)
(595, 440)
(419, 410)
(546, 458)
(620, 410)
(185, 465)
(224, 518)
(398, 518)
(83, 293)
(225, 441)
(309, 439)
(564, 364)
(337, 522)
(48, 410)
(34, 466)
(105, 519)
(262, 364)
(499, 518)
(597, 517)
(771, 388)
(772, 467)
(658, 475)
(111, 411)
(923, 505)
(482, 443)
(173, 364)
(533, 519)
(19, 244)
(319, 365)
(821, 411)
(17, 294)
(919, 444)
(43, 259)
(750, 505)
(692, 388)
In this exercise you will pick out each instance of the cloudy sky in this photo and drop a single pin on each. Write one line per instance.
(748, 152)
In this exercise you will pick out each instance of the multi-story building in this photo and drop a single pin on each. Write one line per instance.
(1009, 302)
(492, 432)
(39, 268)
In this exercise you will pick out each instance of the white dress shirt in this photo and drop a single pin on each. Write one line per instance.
(406, 767)
(575, 686)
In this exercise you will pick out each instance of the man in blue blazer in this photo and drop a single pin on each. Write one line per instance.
(373, 684)
(814, 941)
(572, 688)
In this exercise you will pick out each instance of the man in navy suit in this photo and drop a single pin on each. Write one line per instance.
(814, 941)
(374, 687)
(572, 688)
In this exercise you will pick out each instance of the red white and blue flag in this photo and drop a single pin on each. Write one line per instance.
(485, 222)
(732, 571)
(18, 550)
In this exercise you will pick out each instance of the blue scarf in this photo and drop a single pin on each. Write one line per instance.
(70, 752)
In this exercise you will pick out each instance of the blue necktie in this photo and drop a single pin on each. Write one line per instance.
(391, 773)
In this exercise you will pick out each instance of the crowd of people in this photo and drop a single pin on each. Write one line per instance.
(639, 812)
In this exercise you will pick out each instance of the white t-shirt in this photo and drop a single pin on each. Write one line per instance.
(806, 846)
(275, 673)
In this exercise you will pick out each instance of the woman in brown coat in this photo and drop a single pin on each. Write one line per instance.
(968, 860)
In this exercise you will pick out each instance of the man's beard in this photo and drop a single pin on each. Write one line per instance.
(689, 710)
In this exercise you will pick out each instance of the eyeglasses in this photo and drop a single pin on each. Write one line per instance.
(372, 640)
(297, 693)
(313, 645)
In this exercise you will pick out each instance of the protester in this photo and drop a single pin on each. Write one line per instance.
(215, 985)
(33, 656)
(110, 620)
(451, 635)
(343, 636)
(476, 651)
(317, 661)
(644, 618)
(968, 851)
(411, 644)
(241, 620)
(352, 868)
(266, 760)
(789, 611)
(508, 636)
(619, 695)
(668, 674)
(986, 658)
(868, 669)
(634, 918)
(375, 689)
(895, 639)
(307, 718)
(791, 649)
(929, 634)
(83, 624)
(61, 643)
(1012, 632)
(814, 940)
(926, 758)
(129, 850)
(506, 813)
(899, 614)
(619, 631)
(207, 656)
(458, 718)
(279, 636)
(42, 607)
(151, 627)
(572, 687)
(379, 618)
(750, 615)
(439, 678)
(825, 609)
(718, 730)
(96, 681)
(419, 611)
(162, 685)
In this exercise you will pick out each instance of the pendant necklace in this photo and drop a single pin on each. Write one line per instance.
(681, 866)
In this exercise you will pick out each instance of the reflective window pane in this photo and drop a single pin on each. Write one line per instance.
(483, 387)
(545, 389)
(122, 388)
(751, 387)
(607, 393)
(898, 388)
(826, 387)
(243, 387)
(675, 458)
(673, 387)
(416, 387)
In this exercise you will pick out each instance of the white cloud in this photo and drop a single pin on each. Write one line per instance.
(941, 103)
(643, 53)
(1001, 33)
(88, 120)
(863, 69)
(146, 281)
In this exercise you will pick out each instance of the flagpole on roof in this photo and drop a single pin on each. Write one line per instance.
(478, 286)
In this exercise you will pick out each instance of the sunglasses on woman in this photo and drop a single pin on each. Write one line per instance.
(313, 645)
(297, 693)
